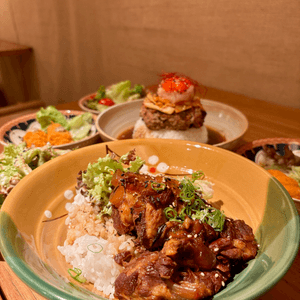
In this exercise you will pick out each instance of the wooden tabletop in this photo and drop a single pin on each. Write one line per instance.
(266, 120)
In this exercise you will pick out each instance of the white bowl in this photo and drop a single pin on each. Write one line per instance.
(226, 120)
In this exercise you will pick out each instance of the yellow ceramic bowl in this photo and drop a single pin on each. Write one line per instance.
(14, 130)
(243, 189)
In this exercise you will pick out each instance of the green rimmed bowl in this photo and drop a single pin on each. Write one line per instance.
(243, 189)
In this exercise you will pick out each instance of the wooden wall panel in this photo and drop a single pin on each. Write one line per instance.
(248, 47)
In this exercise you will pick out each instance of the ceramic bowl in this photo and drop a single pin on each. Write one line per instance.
(224, 119)
(29, 245)
(14, 130)
(254, 150)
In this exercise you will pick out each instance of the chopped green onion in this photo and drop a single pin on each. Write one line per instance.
(76, 274)
(95, 246)
(158, 186)
(197, 175)
(187, 193)
(170, 213)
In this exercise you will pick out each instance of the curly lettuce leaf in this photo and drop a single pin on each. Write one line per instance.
(17, 161)
(80, 120)
(101, 93)
(50, 114)
(99, 174)
(119, 92)
(80, 126)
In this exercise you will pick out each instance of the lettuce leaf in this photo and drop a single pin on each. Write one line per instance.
(119, 92)
(50, 114)
(99, 174)
(79, 126)
(17, 161)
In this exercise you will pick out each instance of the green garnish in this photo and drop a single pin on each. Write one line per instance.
(187, 193)
(195, 208)
(98, 247)
(197, 175)
(213, 217)
(76, 274)
(158, 186)
(170, 213)
(100, 93)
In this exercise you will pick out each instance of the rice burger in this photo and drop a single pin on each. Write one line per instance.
(173, 112)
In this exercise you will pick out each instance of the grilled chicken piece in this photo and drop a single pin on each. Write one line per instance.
(154, 276)
(138, 203)
(197, 285)
(190, 252)
(237, 241)
(145, 277)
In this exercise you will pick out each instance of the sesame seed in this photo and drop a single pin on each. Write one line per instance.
(223, 283)
(189, 235)
(216, 275)
(195, 235)
(216, 249)
(202, 274)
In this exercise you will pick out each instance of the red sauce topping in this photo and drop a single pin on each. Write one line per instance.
(152, 169)
(106, 101)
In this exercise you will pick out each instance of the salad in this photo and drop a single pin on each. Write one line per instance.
(114, 94)
(56, 129)
(17, 161)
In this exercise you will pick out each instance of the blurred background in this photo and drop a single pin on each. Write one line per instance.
(247, 47)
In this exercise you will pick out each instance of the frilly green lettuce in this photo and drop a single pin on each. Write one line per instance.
(98, 177)
(121, 92)
(50, 114)
(17, 161)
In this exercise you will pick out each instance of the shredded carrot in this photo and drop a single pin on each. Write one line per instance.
(289, 183)
(58, 137)
(36, 138)
(40, 138)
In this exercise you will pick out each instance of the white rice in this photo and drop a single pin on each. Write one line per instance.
(86, 236)
(199, 135)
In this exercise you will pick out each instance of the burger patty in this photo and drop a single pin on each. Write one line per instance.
(156, 120)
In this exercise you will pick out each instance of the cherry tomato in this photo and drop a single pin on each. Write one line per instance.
(106, 101)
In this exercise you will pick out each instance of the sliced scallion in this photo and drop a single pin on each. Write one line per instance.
(157, 186)
(76, 274)
(98, 247)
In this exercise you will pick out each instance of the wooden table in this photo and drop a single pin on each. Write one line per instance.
(266, 120)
